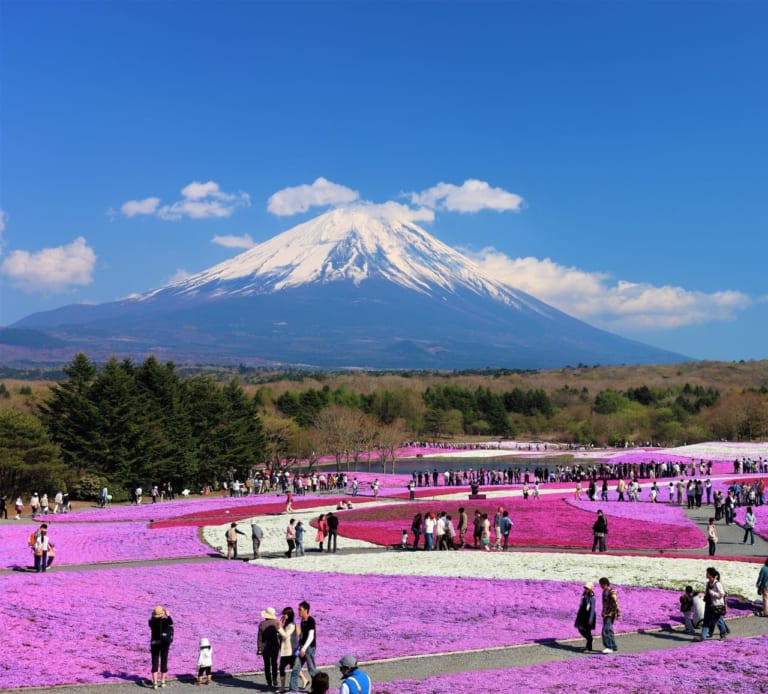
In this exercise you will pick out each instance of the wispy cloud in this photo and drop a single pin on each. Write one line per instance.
(132, 208)
(606, 302)
(199, 201)
(3, 220)
(244, 241)
(470, 196)
(51, 269)
(321, 193)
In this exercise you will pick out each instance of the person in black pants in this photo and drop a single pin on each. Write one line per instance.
(161, 636)
(268, 644)
(333, 530)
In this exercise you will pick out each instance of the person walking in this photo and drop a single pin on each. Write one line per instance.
(599, 531)
(463, 525)
(307, 646)
(762, 588)
(289, 642)
(161, 637)
(257, 535)
(299, 539)
(610, 613)
(416, 529)
(268, 644)
(712, 537)
(749, 526)
(714, 607)
(506, 529)
(290, 537)
(353, 679)
(333, 530)
(231, 536)
(322, 531)
(586, 617)
(40, 547)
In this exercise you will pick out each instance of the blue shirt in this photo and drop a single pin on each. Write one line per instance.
(356, 682)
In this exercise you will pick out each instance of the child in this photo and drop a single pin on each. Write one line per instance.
(404, 540)
(204, 662)
(51, 553)
(686, 607)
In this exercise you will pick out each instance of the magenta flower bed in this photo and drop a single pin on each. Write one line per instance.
(550, 522)
(641, 511)
(170, 509)
(90, 632)
(737, 666)
(87, 543)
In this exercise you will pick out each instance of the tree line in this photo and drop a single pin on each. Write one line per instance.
(125, 425)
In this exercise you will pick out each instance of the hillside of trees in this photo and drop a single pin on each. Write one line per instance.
(124, 425)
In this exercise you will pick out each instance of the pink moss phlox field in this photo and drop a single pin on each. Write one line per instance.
(737, 666)
(642, 511)
(177, 508)
(92, 632)
(549, 522)
(88, 543)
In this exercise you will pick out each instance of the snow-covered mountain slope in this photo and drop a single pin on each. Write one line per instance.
(354, 244)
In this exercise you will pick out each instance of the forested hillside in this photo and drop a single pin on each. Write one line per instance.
(125, 424)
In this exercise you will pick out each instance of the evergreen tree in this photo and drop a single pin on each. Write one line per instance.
(29, 460)
(70, 415)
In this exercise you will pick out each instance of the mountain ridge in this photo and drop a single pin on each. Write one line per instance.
(350, 288)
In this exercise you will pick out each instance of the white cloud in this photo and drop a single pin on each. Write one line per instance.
(321, 193)
(51, 269)
(471, 196)
(614, 305)
(395, 211)
(199, 201)
(197, 191)
(244, 241)
(137, 207)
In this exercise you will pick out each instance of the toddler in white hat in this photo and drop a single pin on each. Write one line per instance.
(204, 662)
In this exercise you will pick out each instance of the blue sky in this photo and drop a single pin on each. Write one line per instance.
(609, 158)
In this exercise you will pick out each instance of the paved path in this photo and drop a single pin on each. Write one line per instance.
(421, 667)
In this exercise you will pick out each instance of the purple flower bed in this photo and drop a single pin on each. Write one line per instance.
(87, 543)
(90, 632)
(737, 666)
(641, 511)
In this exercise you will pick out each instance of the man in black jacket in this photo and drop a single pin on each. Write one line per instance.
(333, 530)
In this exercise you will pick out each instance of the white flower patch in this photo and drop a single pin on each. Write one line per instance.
(632, 570)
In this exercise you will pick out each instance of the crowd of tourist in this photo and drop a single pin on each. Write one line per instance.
(284, 642)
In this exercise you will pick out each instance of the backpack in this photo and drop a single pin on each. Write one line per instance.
(167, 636)
(32, 539)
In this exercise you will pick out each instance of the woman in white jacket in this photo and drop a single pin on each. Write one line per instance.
(289, 644)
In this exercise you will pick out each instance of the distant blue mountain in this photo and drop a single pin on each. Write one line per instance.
(354, 287)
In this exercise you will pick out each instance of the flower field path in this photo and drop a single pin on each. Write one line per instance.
(568, 652)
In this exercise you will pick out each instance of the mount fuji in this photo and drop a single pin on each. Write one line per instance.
(356, 287)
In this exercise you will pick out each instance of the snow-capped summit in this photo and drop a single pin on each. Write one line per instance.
(355, 243)
(361, 286)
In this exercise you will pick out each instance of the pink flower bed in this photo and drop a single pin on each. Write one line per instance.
(90, 632)
(737, 666)
(642, 511)
(549, 522)
(89, 543)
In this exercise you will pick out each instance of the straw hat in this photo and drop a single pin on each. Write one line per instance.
(269, 613)
(159, 611)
